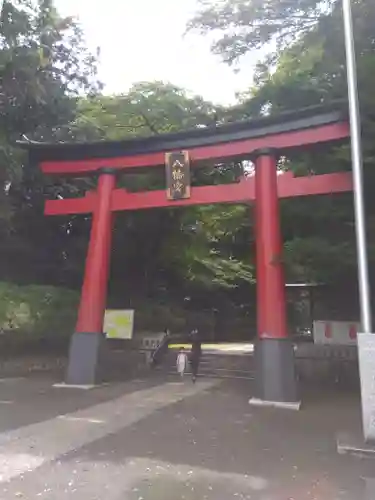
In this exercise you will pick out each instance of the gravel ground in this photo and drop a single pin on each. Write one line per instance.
(171, 440)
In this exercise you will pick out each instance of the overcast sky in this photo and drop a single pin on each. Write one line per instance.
(142, 40)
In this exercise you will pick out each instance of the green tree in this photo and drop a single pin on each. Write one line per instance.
(148, 108)
(165, 246)
(305, 65)
(245, 25)
(44, 67)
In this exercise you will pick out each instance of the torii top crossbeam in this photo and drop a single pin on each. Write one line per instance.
(299, 129)
(284, 131)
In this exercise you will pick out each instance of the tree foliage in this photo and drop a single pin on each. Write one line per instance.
(302, 63)
(244, 25)
(167, 245)
(44, 67)
(148, 108)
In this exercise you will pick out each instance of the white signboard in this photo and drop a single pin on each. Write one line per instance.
(366, 355)
(119, 324)
(335, 332)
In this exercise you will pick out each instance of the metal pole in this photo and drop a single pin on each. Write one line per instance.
(357, 166)
(2, 2)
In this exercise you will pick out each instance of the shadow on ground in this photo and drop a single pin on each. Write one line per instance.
(215, 445)
(25, 401)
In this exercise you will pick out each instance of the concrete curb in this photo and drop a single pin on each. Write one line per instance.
(350, 443)
(295, 406)
(74, 386)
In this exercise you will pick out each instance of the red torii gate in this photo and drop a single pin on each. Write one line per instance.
(262, 141)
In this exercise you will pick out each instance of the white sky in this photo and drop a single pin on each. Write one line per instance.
(142, 40)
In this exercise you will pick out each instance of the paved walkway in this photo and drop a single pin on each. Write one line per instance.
(167, 440)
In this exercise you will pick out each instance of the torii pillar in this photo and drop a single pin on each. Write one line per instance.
(275, 383)
(87, 343)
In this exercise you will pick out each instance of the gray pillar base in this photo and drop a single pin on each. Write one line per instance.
(86, 353)
(353, 443)
(366, 354)
(275, 381)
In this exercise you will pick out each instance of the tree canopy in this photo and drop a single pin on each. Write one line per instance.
(301, 62)
(44, 68)
(244, 25)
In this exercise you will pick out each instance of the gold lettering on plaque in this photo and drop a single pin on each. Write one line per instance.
(178, 175)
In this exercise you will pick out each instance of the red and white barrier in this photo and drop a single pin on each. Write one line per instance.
(335, 332)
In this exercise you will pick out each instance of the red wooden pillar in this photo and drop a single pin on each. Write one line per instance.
(87, 341)
(275, 380)
(270, 276)
(94, 290)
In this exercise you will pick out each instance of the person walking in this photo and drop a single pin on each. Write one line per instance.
(181, 362)
(161, 350)
(195, 355)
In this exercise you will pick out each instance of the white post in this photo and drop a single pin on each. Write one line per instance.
(357, 165)
(366, 340)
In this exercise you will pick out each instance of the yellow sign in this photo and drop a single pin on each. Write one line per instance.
(118, 324)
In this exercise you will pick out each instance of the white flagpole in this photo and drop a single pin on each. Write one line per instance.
(366, 340)
(357, 166)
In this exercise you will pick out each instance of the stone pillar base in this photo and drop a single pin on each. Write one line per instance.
(85, 365)
(366, 356)
(275, 381)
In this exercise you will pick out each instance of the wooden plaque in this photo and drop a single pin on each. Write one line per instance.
(177, 168)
